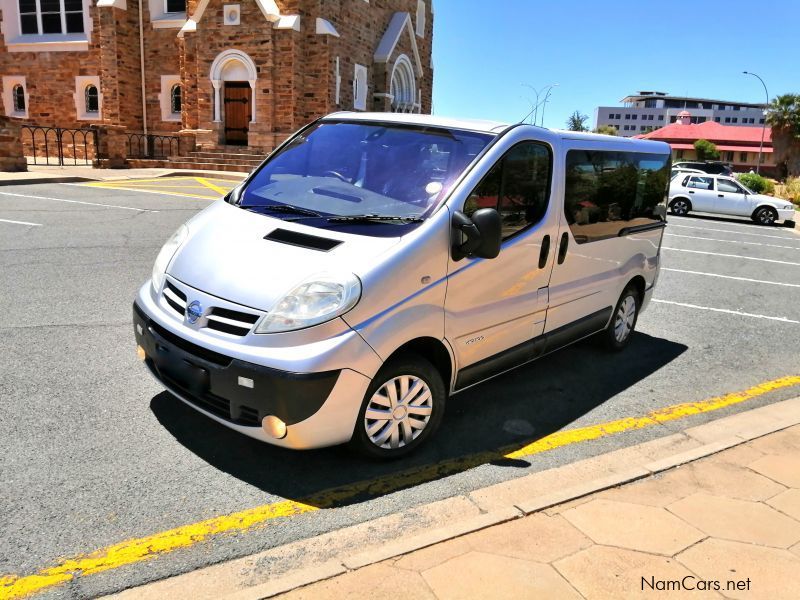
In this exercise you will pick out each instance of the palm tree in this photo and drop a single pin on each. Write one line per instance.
(783, 115)
(577, 121)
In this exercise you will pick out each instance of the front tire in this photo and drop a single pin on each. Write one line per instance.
(623, 321)
(402, 408)
(765, 216)
(680, 207)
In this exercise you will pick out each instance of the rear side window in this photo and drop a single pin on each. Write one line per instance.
(518, 186)
(607, 192)
(701, 183)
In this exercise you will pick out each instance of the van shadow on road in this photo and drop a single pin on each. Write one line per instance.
(511, 410)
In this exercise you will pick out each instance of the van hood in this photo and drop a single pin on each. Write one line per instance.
(227, 255)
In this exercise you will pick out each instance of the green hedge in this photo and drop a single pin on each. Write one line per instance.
(757, 183)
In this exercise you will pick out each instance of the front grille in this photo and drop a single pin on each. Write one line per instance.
(175, 298)
(225, 320)
(248, 416)
(231, 321)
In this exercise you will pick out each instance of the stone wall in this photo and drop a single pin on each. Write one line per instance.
(11, 156)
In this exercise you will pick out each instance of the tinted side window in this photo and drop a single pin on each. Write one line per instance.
(608, 191)
(518, 186)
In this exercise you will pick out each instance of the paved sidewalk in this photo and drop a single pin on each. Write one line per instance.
(54, 174)
(724, 526)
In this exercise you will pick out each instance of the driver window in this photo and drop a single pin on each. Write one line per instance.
(723, 185)
(518, 186)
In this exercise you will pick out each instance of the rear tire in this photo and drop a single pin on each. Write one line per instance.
(402, 408)
(765, 215)
(618, 333)
(680, 207)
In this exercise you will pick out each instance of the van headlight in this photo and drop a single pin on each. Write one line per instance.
(167, 252)
(318, 299)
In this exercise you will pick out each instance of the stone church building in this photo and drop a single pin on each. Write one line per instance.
(221, 72)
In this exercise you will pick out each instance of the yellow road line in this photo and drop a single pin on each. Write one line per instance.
(131, 189)
(212, 186)
(139, 549)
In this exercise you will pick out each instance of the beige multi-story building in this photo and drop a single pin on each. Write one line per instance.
(243, 72)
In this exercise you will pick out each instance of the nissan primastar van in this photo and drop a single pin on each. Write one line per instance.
(376, 264)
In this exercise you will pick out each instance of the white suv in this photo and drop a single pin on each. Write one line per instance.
(724, 195)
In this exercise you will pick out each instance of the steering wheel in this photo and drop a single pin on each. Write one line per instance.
(336, 174)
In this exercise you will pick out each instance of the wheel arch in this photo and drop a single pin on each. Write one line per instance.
(433, 350)
(688, 200)
(760, 206)
(639, 284)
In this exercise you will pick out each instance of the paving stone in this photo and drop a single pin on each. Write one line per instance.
(787, 502)
(602, 572)
(780, 442)
(633, 526)
(432, 556)
(479, 575)
(741, 455)
(738, 520)
(374, 581)
(772, 572)
(783, 468)
(537, 537)
(716, 477)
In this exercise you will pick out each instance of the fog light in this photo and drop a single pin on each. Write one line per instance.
(273, 426)
(141, 353)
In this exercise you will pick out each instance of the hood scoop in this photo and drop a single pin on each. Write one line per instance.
(303, 240)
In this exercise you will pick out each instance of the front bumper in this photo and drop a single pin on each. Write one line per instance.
(319, 409)
(787, 215)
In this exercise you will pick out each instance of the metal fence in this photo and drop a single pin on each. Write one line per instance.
(59, 146)
(140, 145)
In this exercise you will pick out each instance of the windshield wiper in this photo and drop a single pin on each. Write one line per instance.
(286, 208)
(375, 219)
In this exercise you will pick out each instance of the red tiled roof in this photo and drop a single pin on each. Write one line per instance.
(711, 131)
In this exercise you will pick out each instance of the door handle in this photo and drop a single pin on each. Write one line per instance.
(562, 248)
(544, 252)
(720, 195)
(691, 192)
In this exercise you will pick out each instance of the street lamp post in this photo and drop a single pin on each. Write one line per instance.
(535, 106)
(547, 96)
(764, 124)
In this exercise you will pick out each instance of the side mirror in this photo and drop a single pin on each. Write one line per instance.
(479, 236)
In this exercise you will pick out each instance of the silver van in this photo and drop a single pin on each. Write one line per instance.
(377, 264)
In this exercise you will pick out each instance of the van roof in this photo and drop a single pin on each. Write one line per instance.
(492, 127)
(415, 119)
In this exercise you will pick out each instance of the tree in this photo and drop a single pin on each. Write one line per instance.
(706, 150)
(577, 121)
(606, 130)
(783, 116)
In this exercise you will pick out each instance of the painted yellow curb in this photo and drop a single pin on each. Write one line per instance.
(139, 549)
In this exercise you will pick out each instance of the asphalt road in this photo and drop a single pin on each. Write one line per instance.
(94, 452)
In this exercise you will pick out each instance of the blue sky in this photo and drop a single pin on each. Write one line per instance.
(485, 51)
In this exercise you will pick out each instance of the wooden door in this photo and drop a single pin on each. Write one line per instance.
(237, 112)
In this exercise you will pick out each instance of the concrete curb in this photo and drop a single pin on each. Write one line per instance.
(497, 504)
(114, 176)
(38, 180)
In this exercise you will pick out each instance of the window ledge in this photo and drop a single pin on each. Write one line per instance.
(173, 118)
(18, 115)
(170, 21)
(71, 42)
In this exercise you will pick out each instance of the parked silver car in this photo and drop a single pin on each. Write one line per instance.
(376, 264)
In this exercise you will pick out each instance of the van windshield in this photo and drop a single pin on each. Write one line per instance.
(370, 178)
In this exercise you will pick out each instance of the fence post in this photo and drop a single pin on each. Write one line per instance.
(11, 155)
(111, 152)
